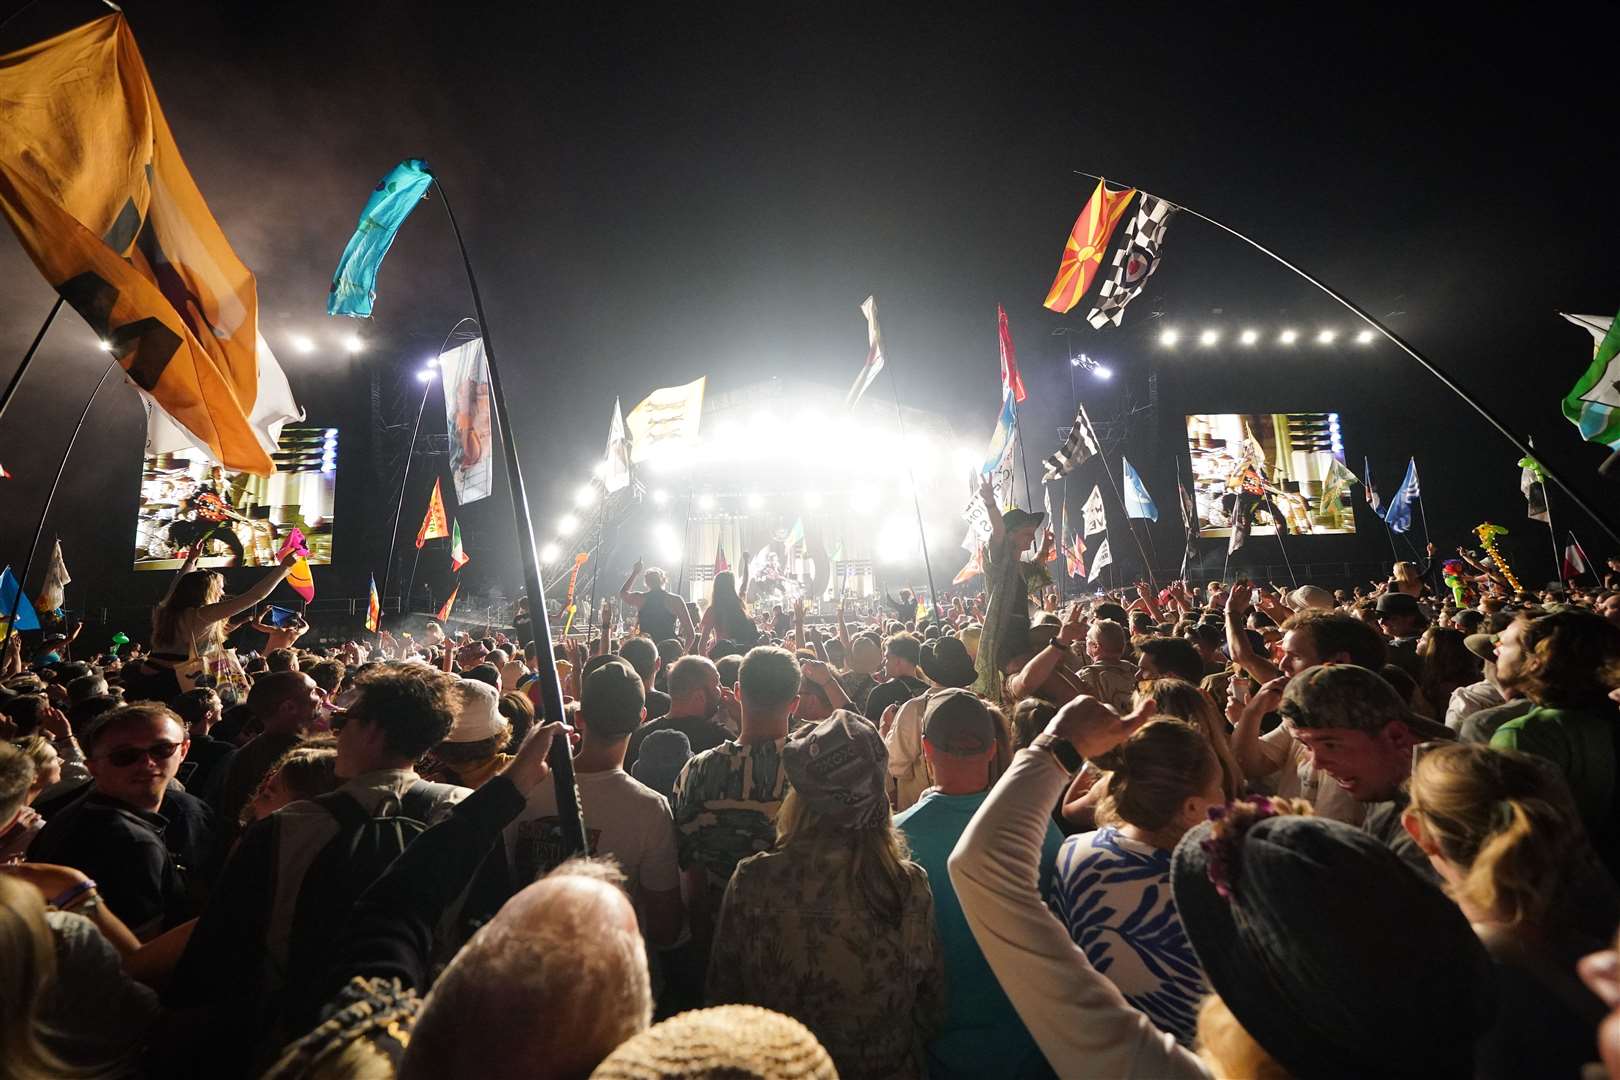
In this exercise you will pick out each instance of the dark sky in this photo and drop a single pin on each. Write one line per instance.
(652, 193)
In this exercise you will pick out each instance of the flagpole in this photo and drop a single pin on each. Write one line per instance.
(1428, 365)
(911, 478)
(1023, 457)
(1558, 556)
(601, 538)
(1103, 457)
(50, 496)
(28, 358)
(561, 758)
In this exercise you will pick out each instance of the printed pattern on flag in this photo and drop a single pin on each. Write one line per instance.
(464, 372)
(1368, 490)
(1593, 403)
(1398, 516)
(874, 354)
(1094, 516)
(1051, 521)
(616, 470)
(1134, 262)
(354, 285)
(1079, 448)
(1083, 251)
(666, 420)
(1105, 557)
(301, 580)
(976, 514)
(434, 523)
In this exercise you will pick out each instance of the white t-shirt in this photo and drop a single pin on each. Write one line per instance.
(624, 819)
(1297, 778)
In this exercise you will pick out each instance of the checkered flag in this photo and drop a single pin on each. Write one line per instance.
(1077, 449)
(1135, 261)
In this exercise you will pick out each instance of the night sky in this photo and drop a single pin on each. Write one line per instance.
(655, 193)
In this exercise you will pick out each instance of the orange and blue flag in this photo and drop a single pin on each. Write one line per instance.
(1083, 253)
(373, 608)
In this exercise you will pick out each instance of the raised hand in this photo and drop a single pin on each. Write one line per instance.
(1094, 728)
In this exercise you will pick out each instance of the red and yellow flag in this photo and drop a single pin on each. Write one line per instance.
(435, 524)
(373, 608)
(449, 603)
(301, 580)
(1083, 253)
(94, 186)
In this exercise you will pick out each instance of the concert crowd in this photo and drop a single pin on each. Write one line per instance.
(1234, 830)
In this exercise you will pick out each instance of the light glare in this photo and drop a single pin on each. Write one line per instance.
(1168, 338)
(1209, 337)
(1365, 337)
(352, 344)
(302, 343)
(1103, 372)
(584, 496)
(705, 502)
(549, 553)
(660, 497)
(1326, 337)
(567, 525)
(1288, 337)
(424, 376)
(1249, 337)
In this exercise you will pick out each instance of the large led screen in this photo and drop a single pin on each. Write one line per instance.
(1271, 468)
(239, 519)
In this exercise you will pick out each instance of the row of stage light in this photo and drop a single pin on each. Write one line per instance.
(1170, 337)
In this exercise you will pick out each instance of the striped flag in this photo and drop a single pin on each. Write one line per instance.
(1083, 251)
(458, 554)
(874, 354)
(1079, 448)
(1134, 262)
(373, 608)
(1011, 381)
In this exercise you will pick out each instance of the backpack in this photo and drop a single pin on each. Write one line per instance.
(361, 852)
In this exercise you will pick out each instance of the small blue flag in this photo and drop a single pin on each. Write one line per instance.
(1398, 515)
(1001, 440)
(1138, 503)
(354, 286)
(27, 618)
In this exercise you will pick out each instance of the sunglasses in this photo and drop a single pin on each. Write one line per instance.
(125, 756)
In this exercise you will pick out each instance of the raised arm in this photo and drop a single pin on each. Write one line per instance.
(1237, 638)
(212, 613)
(185, 568)
(987, 495)
(633, 599)
(1247, 747)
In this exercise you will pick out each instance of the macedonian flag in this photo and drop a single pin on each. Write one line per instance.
(93, 184)
(1083, 254)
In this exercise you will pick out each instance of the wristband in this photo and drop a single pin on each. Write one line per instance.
(1060, 748)
(67, 898)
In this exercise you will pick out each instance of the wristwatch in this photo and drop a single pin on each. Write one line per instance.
(1062, 749)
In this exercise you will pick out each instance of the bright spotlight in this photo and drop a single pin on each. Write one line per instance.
(1249, 337)
(755, 501)
(585, 495)
(1365, 337)
(432, 362)
(1074, 361)
(660, 497)
(705, 502)
(424, 376)
(353, 345)
(812, 500)
(549, 553)
(1103, 372)
(968, 459)
(863, 500)
(567, 525)
(1288, 337)
(104, 345)
(1168, 338)
(302, 343)
(1326, 337)
(897, 540)
(1209, 337)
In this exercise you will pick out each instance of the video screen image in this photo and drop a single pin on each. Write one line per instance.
(1270, 468)
(237, 518)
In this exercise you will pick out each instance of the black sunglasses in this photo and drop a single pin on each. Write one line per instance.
(125, 756)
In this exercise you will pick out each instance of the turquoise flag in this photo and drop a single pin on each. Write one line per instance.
(354, 286)
(27, 618)
(1138, 503)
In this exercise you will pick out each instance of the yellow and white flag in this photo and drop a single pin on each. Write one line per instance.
(666, 419)
(95, 188)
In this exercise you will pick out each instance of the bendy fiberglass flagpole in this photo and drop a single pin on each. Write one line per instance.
(1428, 365)
(562, 762)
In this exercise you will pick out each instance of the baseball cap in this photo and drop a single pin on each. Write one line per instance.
(958, 723)
(1348, 696)
(613, 699)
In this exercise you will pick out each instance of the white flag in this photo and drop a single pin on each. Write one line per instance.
(1096, 518)
(1104, 558)
(874, 354)
(616, 476)
(666, 419)
(53, 593)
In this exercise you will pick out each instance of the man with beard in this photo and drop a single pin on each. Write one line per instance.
(694, 698)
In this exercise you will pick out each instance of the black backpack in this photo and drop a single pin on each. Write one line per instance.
(363, 849)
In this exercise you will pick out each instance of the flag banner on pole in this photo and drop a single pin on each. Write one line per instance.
(666, 420)
(1138, 503)
(94, 186)
(974, 567)
(354, 285)
(301, 579)
(975, 513)
(1593, 404)
(1574, 563)
(1240, 531)
(1368, 490)
(1334, 485)
(1532, 482)
(4, 475)
(1189, 521)
(616, 471)
(1134, 262)
(1011, 381)
(874, 354)
(1078, 448)
(464, 374)
(795, 536)
(1398, 515)
(1105, 557)
(53, 592)
(1074, 546)
(458, 554)
(720, 563)
(573, 580)
(373, 607)
(1094, 516)
(1051, 520)
(434, 523)
(27, 617)
(1000, 449)
(1083, 251)
(449, 604)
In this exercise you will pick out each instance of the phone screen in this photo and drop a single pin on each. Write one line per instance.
(279, 616)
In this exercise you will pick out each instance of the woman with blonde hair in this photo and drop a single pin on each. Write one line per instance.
(1407, 579)
(835, 925)
(1501, 830)
(1181, 700)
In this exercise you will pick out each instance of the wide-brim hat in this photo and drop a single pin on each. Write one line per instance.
(736, 1042)
(1482, 646)
(1331, 953)
(946, 661)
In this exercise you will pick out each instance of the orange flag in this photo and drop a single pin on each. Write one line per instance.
(93, 184)
(449, 603)
(1083, 253)
(435, 524)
